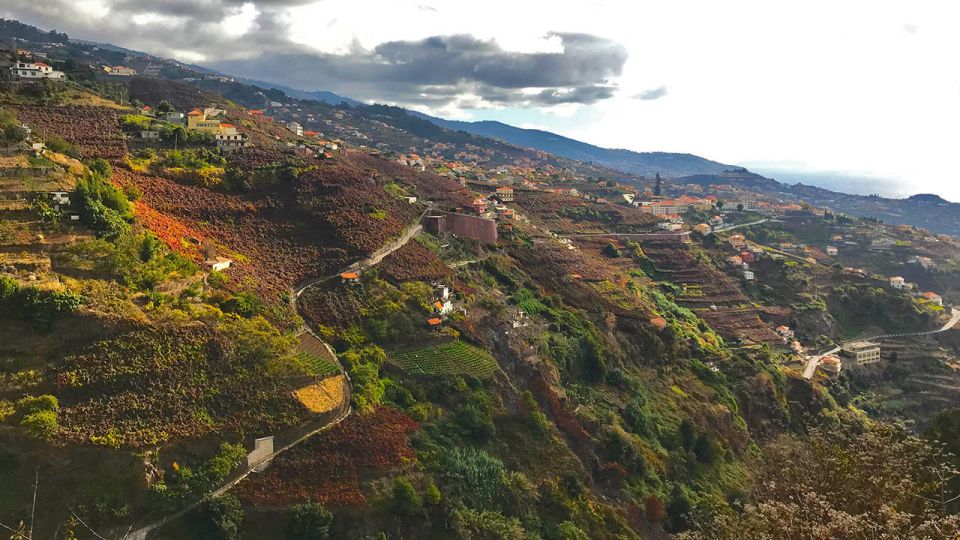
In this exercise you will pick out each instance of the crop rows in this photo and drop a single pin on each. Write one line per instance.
(327, 467)
(335, 308)
(149, 385)
(457, 358)
(413, 262)
(93, 130)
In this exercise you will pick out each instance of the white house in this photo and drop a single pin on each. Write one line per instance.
(218, 264)
(748, 275)
(896, 282)
(296, 128)
(35, 70)
(150, 135)
(831, 251)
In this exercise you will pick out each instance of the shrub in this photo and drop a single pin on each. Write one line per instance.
(244, 304)
(406, 500)
(309, 521)
(431, 495)
(225, 515)
(41, 424)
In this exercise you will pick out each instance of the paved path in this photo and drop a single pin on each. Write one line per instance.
(734, 227)
(814, 361)
(371, 260)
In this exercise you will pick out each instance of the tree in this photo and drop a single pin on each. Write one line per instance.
(658, 187)
(310, 521)
(719, 204)
(164, 107)
(740, 207)
(611, 250)
(225, 515)
(406, 500)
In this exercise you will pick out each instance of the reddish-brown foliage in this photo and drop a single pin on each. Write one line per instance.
(654, 508)
(413, 262)
(93, 130)
(337, 307)
(179, 237)
(327, 467)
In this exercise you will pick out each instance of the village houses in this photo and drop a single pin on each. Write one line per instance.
(35, 70)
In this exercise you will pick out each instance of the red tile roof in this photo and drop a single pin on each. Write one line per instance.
(434, 321)
(195, 112)
(350, 275)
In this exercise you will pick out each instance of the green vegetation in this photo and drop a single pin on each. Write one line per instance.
(10, 131)
(41, 307)
(182, 483)
(309, 521)
(456, 358)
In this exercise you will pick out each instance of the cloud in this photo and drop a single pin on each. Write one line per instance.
(434, 71)
(652, 93)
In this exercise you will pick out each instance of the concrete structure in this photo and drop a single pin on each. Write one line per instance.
(262, 449)
(474, 227)
(748, 275)
(295, 128)
(864, 352)
(896, 282)
(150, 135)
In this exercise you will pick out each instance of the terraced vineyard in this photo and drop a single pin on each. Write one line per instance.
(456, 357)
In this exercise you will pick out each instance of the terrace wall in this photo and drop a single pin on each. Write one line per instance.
(474, 227)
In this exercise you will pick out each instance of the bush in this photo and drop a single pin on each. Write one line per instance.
(41, 424)
(309, 521)
(431, 495)
(245, 304)
(406, 500)
(225, 515)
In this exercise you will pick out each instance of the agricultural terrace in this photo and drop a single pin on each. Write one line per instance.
(453, 358)
(94, 131)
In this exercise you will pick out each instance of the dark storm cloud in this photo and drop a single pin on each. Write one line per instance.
(420, 71)
(652, 94)
(433, 71)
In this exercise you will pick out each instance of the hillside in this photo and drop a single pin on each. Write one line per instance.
(223, 326)
(645, 164)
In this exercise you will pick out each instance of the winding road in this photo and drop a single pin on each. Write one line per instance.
(814, 361)
(371, 260)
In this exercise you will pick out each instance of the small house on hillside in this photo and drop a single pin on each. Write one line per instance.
(831, 251)
(435, 323)
(505, 193)
(896, 282)
(351, 278)
(218, 264)
(933, 298)
(737, 241)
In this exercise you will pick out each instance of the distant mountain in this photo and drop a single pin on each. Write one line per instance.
(642, 163)
(316, 95)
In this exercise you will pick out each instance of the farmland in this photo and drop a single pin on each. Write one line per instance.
(457, 358)
(323, 396)
(149, 385)
(327, 468)
(413, 262)
(93, 130)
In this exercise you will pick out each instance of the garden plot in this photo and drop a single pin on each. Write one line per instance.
(456, 358)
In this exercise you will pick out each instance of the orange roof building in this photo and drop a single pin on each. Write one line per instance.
(434, 321)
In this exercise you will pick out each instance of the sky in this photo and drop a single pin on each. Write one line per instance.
(865, 93)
